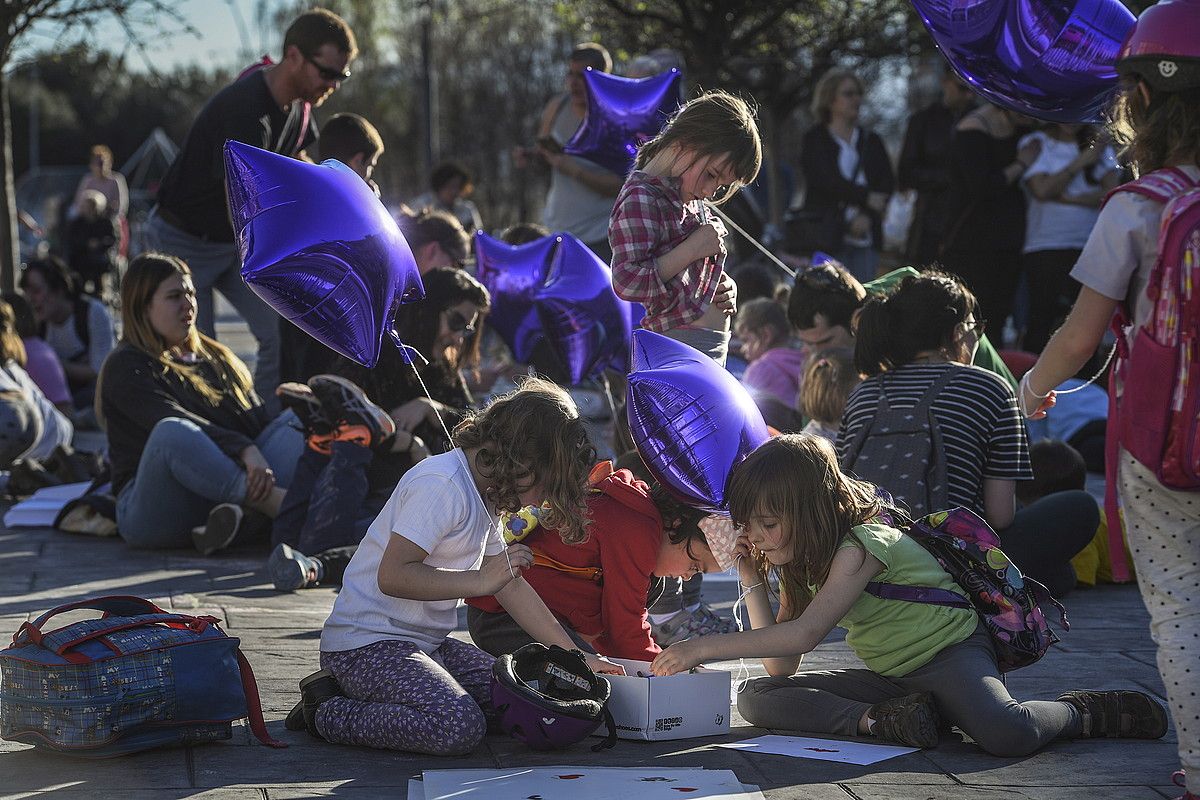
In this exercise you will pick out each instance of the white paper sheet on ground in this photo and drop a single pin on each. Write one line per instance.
(585, 783)
(416, 789)
(43, 506)
(820, 749)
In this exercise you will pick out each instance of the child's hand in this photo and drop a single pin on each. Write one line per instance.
(679, 657)
(494, 575)
(748, 572)
(726, 297)
(602, 666)
(705, 241)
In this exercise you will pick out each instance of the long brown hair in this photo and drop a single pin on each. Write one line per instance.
(795, 478)
(533, 436)
(141, 281)
(713, 125)
(11, 346)
(1158, 133)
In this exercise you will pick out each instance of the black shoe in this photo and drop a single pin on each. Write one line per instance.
(224, 522)
(314, 690)
(1118, 715)
(347, 404)
(300, 399)
(295, 718)
(911, 720)
(27, 476)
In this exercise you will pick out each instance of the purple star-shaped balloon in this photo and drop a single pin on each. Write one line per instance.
(319, 248)
(556, 288)
(514, 275)
(585, 321)
(622, 115)
(690, 419)
(1051, 59)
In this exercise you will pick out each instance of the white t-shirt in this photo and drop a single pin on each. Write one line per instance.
(1119, 255)
(1050, 225)
(849, 165)
(437, 507)
(56, 428)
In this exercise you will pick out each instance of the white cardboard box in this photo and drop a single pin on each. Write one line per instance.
(680, 706)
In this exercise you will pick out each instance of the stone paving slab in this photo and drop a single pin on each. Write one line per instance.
(1108, 646)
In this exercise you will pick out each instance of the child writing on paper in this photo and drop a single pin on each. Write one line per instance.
(392, 677)
(668, 250)
(825, 537)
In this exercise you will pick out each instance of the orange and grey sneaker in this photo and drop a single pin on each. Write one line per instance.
(322, 442)
(300, 399)
(347, 406)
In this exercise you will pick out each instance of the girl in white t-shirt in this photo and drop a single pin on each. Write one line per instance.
(392, 676)
(1064, 186)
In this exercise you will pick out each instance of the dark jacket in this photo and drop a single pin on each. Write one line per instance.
(925, 166)
(136, 392)
(826, 189)
(988, 211)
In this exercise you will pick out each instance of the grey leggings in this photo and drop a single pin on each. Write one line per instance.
(965, 683)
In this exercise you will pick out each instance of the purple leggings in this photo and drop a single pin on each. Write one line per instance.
(399, 698)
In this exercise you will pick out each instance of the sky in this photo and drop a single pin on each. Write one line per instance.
(229, 36)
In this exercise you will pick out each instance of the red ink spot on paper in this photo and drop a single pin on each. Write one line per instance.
(569, 777)
(822, 750)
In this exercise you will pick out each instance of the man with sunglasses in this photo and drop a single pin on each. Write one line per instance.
(268, 106)
(826, 297)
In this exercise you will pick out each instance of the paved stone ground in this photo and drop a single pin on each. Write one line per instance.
(1108, 647)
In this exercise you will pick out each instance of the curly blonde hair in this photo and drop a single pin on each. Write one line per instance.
(531, 437)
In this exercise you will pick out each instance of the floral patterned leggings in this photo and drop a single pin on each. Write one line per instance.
(399, 698)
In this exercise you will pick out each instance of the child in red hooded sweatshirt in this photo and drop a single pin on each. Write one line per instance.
(598, 588)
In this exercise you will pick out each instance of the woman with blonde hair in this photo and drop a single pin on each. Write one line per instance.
(189, 439)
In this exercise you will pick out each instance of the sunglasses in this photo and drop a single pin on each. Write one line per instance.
(457, 323)
(328, 73)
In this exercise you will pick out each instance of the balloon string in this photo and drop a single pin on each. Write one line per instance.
(774, 259)
(449, 438)
(1095, 377)
(612, 404)
(742, 676)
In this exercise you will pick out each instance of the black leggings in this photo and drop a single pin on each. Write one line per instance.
(1047, 533)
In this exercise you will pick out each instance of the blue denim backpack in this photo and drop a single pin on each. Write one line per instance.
(136, 678)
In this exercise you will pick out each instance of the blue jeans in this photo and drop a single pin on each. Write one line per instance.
(216, 265)
(330, 502)
(182, 474)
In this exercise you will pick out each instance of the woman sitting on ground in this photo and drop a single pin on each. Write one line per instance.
(49, 427)
(189, 439)
(939, 433)
(342, 480)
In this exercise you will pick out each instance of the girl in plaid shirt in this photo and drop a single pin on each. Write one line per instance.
(668, 251)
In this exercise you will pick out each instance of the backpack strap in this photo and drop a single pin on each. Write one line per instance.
(1112, 454)
(254, 715)
(918, 594)
(1160, 185)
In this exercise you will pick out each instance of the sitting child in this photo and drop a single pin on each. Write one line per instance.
(829, 378)
(392, 676)
(826, 536)
(774, 363)
(598, 588)
(1059, 467)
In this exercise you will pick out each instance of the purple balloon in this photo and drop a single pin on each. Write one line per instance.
(584, 320)
(514, 274)
(622, 115)
(1050, 59)
(319, 248)
(690, 419)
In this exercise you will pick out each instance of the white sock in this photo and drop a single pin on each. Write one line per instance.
(693, 609)
(659, 619)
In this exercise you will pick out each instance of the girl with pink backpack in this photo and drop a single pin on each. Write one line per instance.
(1142, 264)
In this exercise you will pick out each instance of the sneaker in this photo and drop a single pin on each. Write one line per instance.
(347, 404)
(222, 527)
(301, 400)
(314, 690)
(686, 624)
(291, 570)
(1118, 715)
(911, 720)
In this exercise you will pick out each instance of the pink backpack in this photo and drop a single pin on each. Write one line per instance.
(1157, 415)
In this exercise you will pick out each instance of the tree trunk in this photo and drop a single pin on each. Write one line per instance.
(10, 256)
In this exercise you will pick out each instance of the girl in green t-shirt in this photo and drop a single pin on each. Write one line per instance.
(823, 535)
